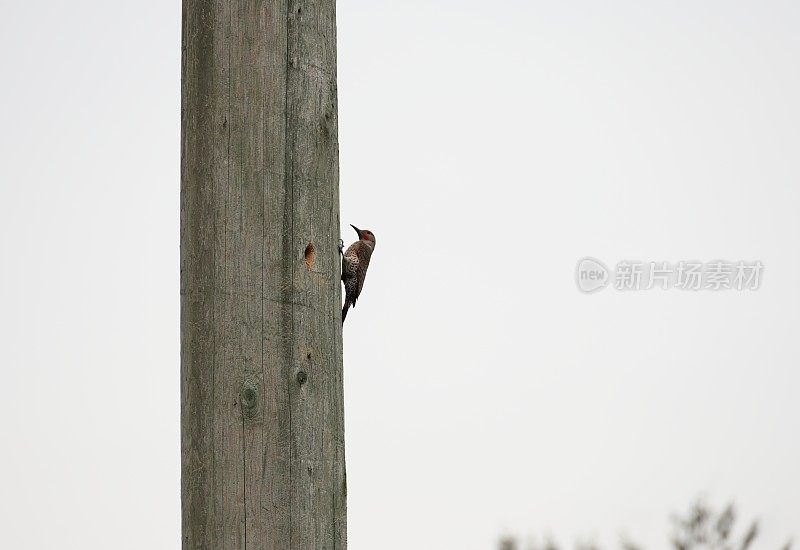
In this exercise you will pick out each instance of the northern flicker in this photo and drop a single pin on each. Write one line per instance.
(355, 261)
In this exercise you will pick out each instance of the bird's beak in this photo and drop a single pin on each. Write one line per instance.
(357, 230)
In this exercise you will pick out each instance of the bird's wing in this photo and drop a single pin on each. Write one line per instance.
(361, 272)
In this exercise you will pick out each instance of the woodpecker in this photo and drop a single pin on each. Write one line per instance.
(355, 261)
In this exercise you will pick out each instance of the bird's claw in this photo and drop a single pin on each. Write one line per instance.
(341, 247)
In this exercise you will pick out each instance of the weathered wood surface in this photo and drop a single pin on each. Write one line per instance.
(262, 437)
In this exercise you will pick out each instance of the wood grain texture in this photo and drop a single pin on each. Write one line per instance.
(262, 437)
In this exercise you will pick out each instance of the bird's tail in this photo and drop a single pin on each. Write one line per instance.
(344, 309)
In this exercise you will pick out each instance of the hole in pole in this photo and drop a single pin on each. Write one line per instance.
(309, 254)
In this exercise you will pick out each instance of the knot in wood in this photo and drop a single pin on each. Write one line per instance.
(249, 400)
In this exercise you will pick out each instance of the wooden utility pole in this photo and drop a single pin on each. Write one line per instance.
(262, 439)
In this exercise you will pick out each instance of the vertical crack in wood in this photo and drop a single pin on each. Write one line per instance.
(289, 185)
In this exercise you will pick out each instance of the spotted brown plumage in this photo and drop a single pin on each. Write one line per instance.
(355, 261)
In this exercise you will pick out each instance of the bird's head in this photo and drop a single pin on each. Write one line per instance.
(365, 235)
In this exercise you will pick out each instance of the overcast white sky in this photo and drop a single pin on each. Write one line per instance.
(494, 143)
